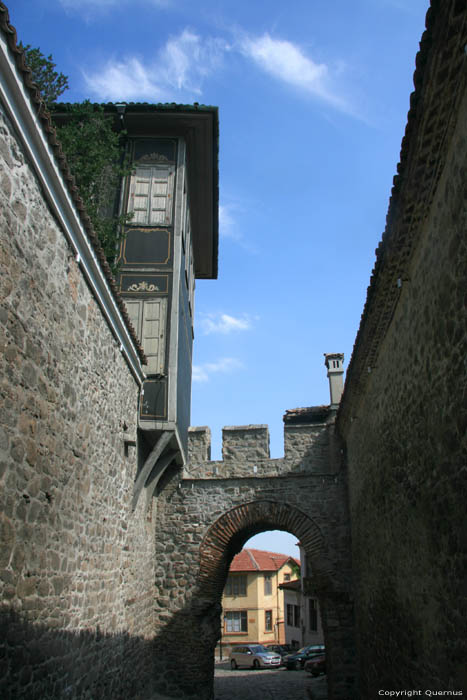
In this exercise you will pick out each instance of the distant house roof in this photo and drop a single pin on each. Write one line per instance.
(259, 560)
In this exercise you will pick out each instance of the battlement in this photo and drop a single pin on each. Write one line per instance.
(308, 447)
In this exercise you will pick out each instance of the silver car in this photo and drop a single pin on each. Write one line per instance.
(253, 655)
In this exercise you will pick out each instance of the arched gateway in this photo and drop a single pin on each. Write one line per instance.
(204, 519)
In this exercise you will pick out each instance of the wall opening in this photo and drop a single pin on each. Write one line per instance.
(260, 597)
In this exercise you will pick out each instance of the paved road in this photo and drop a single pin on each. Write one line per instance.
(267, 684)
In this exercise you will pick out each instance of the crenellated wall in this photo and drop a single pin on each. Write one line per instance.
(309, 447)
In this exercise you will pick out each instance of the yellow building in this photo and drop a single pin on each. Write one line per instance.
(253, 603)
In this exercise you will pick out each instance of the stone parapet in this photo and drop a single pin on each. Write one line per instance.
(245, 442)
(309, 447)
(199, 444)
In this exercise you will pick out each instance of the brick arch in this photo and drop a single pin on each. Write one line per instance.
(227, 535)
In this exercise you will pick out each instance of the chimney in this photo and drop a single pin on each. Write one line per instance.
(335, 364)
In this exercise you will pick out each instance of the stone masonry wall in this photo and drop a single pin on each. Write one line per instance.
(308, 447)
(204, 519)
(406, 428)
(76, 566)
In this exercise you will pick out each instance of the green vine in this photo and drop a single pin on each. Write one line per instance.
(94, 154)
(92, 148)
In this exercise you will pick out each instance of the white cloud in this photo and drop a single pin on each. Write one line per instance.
(201, 373)
(286, 61)
(178, 69)
(177, 72)
(224, 323)
(227, 224)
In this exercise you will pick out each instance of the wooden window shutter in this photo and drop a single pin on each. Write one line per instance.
(134, 312)
(151, 195)
(153, 334)
(140, 185)
(161, 195)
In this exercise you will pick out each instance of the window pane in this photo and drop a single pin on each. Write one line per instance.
(236, 621)
(236, 585)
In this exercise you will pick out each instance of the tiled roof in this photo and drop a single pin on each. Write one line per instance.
(259, 560)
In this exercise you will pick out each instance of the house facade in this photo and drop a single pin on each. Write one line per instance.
(253, 601)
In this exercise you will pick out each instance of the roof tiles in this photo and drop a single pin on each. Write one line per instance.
(259, 560)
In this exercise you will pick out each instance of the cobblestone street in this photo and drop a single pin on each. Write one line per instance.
(267, 684)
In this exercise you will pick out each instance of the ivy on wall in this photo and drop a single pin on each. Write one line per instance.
(92, 148)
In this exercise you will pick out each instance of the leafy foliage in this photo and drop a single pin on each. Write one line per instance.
(50, 83)
(94, 154)
(93, 151)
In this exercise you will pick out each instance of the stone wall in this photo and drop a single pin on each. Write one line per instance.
(309, 446)
(404, 411)
(205, 518)
(76, 566)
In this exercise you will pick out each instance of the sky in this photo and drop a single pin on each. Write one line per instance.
(313, 98)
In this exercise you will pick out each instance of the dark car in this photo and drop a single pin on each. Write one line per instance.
(316, 665)
(299, 658)
(281, 649)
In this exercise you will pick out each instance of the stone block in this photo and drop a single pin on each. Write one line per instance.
(245, 443)
(199, 444)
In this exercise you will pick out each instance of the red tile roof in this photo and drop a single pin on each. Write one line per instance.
(259, 560)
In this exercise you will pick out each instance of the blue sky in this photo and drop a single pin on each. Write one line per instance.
(313, 98)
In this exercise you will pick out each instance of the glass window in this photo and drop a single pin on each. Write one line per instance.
(268, 620)
(267, 584)
(236, 621)
(236, 585)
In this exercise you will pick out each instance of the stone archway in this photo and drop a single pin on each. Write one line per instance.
(227, 535)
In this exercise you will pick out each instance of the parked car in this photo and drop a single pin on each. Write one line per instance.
(281, 649)
(316, 665)
(299, 658)
(253, 655)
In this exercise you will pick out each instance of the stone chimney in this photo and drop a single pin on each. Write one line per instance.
(335, 364)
